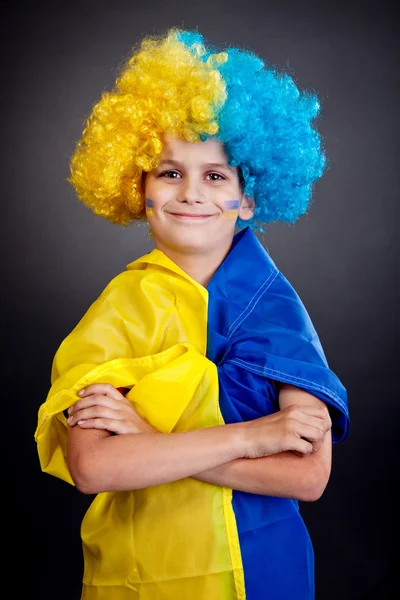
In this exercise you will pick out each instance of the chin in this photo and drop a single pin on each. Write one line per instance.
(191, 240)
(190, 245)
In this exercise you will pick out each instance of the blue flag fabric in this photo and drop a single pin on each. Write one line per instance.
(260, 332)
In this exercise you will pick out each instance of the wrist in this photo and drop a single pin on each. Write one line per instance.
(239, 439)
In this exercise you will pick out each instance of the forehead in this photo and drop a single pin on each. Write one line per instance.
(183, 151)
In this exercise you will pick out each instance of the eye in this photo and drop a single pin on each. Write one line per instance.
(170, 174)
(215, 177)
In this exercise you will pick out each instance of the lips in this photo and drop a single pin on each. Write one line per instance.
(191, 215)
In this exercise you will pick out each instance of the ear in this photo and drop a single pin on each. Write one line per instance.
(246, 210)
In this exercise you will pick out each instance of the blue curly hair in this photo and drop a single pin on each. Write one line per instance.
(180, 84)
(265, 125)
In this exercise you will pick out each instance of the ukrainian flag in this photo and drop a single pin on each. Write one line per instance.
(192, 358)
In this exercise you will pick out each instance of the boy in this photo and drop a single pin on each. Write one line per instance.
(204, 389)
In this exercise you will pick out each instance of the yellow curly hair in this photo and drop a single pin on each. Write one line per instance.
(163, 88)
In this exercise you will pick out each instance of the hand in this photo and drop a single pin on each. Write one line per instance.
(103, 407)
(301, 429)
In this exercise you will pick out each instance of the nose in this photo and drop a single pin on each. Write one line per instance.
(190, 191)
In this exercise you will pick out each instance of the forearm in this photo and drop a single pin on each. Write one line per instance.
(99, 461)
(284, 475)
(134, 461)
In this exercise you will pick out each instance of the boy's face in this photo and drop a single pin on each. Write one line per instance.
(193, 197)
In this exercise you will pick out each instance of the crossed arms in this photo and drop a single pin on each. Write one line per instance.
(286, 454)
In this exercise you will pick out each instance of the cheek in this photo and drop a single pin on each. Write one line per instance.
(231, 209)
(149, 207)
(155, 199)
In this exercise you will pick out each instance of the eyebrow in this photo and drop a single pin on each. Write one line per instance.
(211, 165)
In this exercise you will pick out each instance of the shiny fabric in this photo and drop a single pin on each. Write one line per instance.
(260, 332)
(177, 540)
(193, 358)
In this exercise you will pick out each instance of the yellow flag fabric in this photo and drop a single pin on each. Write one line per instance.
(148, 332)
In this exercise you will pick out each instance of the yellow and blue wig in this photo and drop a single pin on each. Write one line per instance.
(177, 84)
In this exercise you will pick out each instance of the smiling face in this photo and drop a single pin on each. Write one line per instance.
(193, 198)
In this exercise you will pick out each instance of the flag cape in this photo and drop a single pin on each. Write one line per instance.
(192, 358)
(259, 332)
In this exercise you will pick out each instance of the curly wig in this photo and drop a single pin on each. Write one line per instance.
(177, 84)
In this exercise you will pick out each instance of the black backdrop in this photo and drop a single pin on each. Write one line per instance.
(341, 257)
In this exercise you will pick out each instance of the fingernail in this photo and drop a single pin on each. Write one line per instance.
(69, 420)
(80, 422)
(81, 392)
(70, 410)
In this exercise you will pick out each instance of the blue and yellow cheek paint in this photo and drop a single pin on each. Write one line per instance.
(231, 209)
(149, 207)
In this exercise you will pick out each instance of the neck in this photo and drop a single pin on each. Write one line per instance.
(200, 266)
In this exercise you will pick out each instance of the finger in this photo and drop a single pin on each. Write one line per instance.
(105, 389)
(313, 421)
(317, 416)
(112, 425)
(315, 445)
(96, 400)
(95, 412)
(320, 412)
(312, 434)
(301, 447)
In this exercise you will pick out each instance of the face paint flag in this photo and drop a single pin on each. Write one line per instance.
(149, 207)
(231, 209)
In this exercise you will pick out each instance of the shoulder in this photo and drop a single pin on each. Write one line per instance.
(124, 284)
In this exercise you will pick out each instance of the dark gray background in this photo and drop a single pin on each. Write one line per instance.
(342, 257)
